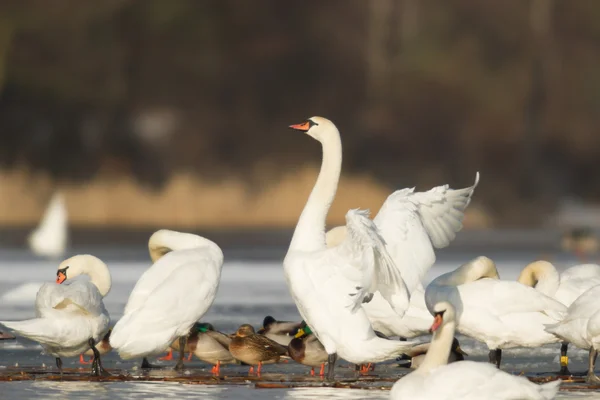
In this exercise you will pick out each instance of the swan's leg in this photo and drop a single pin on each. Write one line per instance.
(97, 368)
(146, 364)
(179, 365)
(331, 366)
(591, 377)
(402, 339)
(495, 356)
(564, 359)
(59, 366)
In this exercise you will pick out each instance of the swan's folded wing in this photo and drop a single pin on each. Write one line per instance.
(77, 297)
(508, 297)
(375, 268)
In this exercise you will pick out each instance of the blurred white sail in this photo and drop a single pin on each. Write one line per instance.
(49, 239)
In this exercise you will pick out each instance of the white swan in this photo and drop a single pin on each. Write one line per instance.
(501, 314)
(170, 296)
(581, 327)
(329, 284)
(566, 288)
(71, 318)
(49, 239)
(464, 380)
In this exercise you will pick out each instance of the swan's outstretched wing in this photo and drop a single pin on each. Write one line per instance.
(412, 222)
(375, 268)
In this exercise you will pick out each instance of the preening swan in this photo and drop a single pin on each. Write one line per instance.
(581, 327)
(329, 285)
(435, 379)
(170, 296)
(501, 314)
(71, 317)
(566, 288)
(49, 239)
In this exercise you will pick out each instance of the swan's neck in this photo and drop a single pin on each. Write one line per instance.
(310, 230)
(166, 241)
(440, 347)
(98, 273)
(542, 276)
(481, 267)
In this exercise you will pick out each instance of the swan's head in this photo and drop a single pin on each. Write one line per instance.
(245, 330)
(77, 265)
(443, 312)
(318, 127)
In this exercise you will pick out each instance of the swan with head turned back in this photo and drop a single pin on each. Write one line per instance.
(464, 380)
(71, 317)
(412, 224)
(566, 288)
(501, 314)
(170, 296)
(329, 285)
(49, 239)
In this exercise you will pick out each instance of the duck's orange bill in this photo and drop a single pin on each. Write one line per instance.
(437, 322)
(60, 277)
(304, 127)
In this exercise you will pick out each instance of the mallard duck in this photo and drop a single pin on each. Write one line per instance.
(414, 357)
(103, 347)
(306, 349)
(254, 349)
(197, 327)
(580, 241)
(281, 332)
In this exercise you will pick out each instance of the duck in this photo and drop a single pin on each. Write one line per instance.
(581, 327)
(71, 317)
(49, 238)
(329, 284)
(565, 287)
(581, 241)
(103, 347)
(412, 224)
(279, 331)
(502, 314)
(253, 349)
(306, 349)
(170, 297)
(464, 380)
(415, 357)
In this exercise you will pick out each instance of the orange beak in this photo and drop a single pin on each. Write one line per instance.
(437, 322)
(60, 277)
(304, 127)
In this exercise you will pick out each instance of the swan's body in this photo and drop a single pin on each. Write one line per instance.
(49, 239)
(329, 284)
(566, 288)
(69, 315)
(170, 296)
(581, 326)
(464, 380)
(501, 314)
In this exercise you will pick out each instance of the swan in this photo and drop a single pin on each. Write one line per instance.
(70, 317)
(170, 296)
(464, 380)
(501, 314)
(581, 326)
(49, 239)
(566, 288)
(412, 225)
(329, 285)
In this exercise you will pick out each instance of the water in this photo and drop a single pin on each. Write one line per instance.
(249, 291)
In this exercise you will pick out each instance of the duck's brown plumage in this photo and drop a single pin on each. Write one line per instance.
(254, 349)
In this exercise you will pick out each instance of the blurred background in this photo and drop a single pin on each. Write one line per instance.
(155, 113)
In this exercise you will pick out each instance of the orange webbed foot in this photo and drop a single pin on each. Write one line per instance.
(168, 357)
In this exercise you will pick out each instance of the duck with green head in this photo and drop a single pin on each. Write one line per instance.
(281, 332)
(306, 349)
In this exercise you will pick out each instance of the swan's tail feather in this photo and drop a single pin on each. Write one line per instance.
(37, 329)
(549, 390)
(132, 341)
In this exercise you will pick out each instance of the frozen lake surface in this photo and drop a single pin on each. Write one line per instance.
(249, 291)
